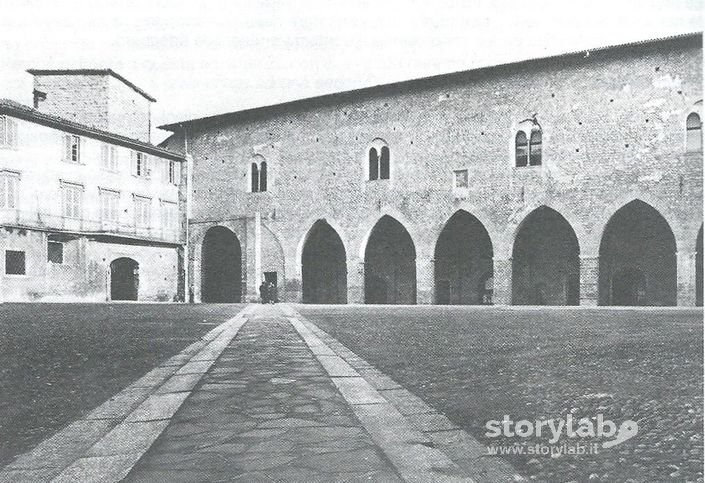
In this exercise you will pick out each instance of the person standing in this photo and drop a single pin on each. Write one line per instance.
(263, 292)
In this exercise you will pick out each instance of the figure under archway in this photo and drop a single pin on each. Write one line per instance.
(221, 267)
(637, 258)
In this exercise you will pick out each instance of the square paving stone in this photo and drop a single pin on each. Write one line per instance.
(337, 367)
(158, 406)
(356, 390)
(98, 469)
(179, 383)
(127, 438)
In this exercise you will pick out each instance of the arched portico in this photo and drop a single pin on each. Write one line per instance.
(221, 267)
(637, 264)
(390, 264)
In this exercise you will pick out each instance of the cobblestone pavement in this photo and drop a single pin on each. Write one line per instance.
(266, 411)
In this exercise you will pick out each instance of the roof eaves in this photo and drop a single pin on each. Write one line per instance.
(8, 106)
(109, 72)
(322, 99)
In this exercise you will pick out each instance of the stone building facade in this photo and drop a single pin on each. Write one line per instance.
(574, 179)
(89, 209)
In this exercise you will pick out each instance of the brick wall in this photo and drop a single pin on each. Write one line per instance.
(80, 98)
(613, 131)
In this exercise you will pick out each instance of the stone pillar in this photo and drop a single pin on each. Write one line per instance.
(356, 282)
(589, 280)
(502, 291)
(424, 281)
(686, 278)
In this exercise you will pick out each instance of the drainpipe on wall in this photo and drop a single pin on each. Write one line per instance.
(187, 253)
(258, 250)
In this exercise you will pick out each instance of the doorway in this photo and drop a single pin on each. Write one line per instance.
(124, 279)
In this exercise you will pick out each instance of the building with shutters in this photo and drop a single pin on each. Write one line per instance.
(89, 208)
(574, 179)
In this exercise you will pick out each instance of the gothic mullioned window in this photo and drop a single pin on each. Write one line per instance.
(528, 147)
(258, 175)
(378, 161)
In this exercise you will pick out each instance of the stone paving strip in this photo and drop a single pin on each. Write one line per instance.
(423, 444)
(106, 443)
(265, 412)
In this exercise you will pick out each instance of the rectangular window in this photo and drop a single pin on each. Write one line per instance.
(8, 132)
(169, 213)
(173, 176)
(15, 263)
(142, 212)
(140, 164)
(55, 252)
(72, 200)
(109, 206)
(72, 148)
(109, 157)
(9, 184)
(460, 178)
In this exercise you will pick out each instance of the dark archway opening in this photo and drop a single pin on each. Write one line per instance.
(546, 261)
(124, 279)
(390, 264)
(637, 258)
(463, 262)
(221, 267)
(699, 269)
(323, 267)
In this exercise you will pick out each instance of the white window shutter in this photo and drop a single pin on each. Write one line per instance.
(67, 147)
(133, 163)
(11, 133)
(105, 155)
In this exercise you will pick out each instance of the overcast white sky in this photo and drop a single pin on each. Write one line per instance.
(207, 57)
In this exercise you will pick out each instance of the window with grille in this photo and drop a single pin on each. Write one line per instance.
(15, 262)
(535, 148)
(460, 178)
(55, 252)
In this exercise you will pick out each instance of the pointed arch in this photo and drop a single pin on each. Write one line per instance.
(384, 163)
(545, 260)
(637, 258)
(463, 261)
(374, 164)
(221, 267)
(390, 264)
(323, 266)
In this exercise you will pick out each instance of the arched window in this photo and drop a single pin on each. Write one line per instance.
(693, 133)
(384, 163)
(374, 164)
(535, 148)
(255, 177)
(521, 149)
(263, 176)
